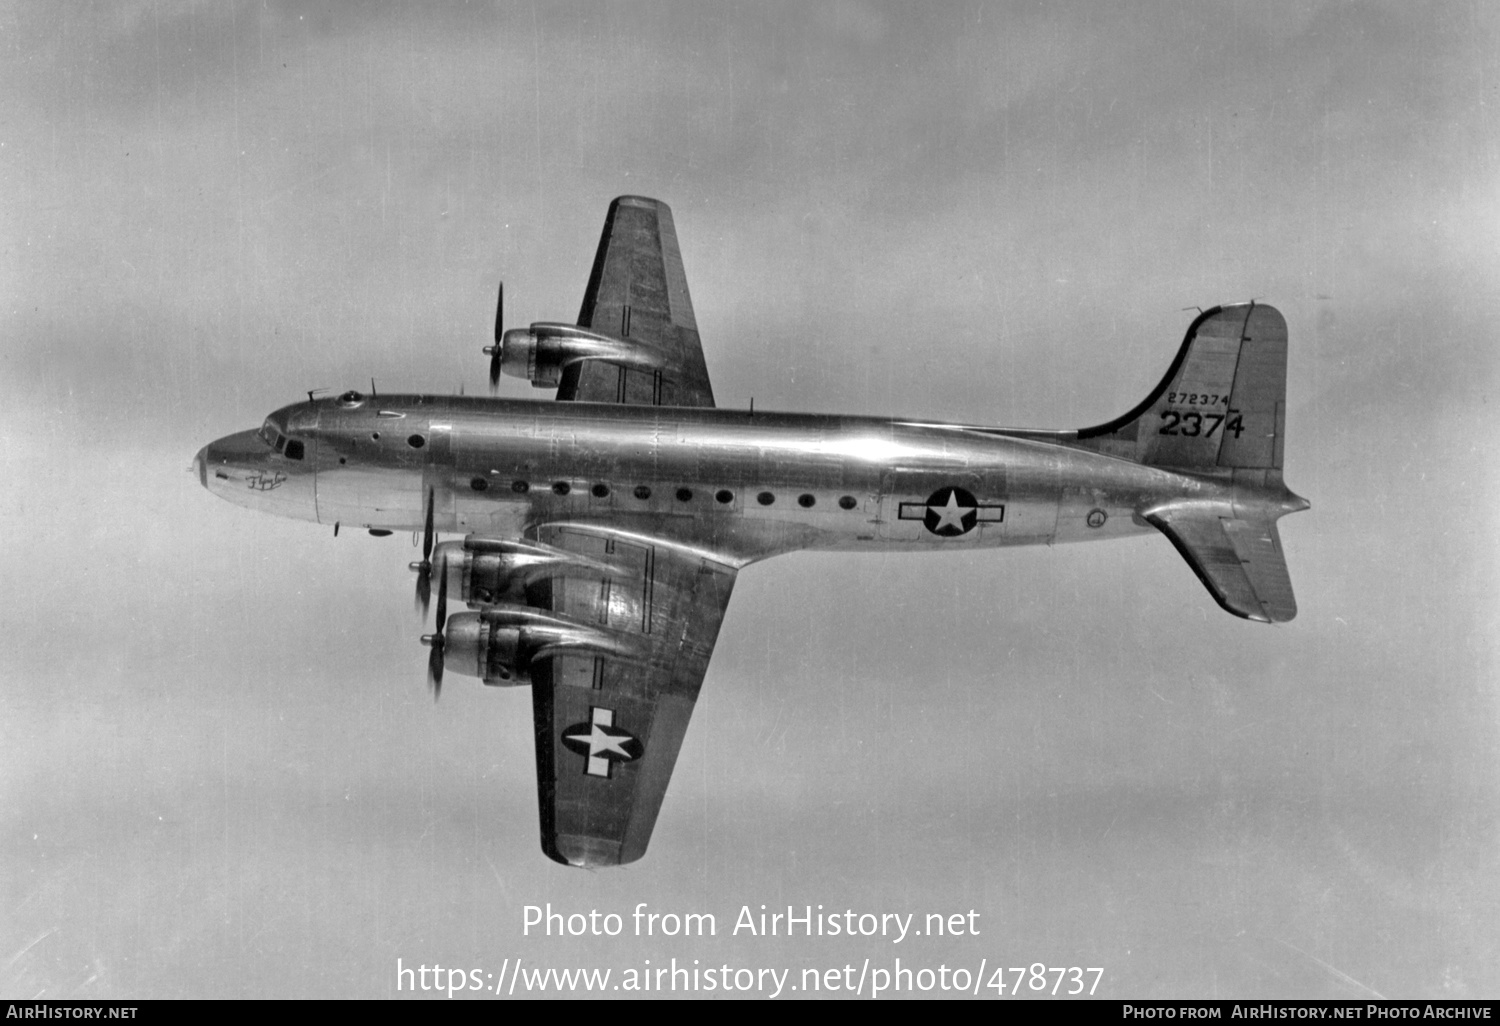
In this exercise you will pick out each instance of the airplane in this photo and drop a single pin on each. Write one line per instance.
(602, 532)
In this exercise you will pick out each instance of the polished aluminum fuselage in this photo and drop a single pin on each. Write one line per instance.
(742, 486)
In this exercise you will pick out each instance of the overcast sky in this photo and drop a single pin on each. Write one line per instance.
(220, 771)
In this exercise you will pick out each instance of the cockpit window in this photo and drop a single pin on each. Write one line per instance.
(269, 433)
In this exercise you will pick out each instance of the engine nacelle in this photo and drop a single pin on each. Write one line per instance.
(475, 647)
(502, 644)
(543, 351)
(487, 571)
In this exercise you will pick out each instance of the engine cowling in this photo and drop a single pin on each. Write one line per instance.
(474, 647)
(543, 351)
(502, 644)
(486, 571)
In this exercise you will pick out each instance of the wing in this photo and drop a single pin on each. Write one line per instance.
(608, 731)
(638, 289)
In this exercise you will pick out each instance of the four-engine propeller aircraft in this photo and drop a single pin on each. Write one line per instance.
(603, 532)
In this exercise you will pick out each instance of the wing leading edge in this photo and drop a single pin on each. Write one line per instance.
(608, 730)
(638, 289)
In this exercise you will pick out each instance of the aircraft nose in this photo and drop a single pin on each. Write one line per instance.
(246, 471)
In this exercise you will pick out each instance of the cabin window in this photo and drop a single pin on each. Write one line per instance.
(724, 495)
(642, 492)
(520, 487)
(416, 441)
(848, 502)
(479, 484)
(684, 495)
(765, 498)
(806, 501)
(600, 491)
(561, 488)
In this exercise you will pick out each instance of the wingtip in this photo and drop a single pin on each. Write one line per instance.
(639, 201)
(584, 852)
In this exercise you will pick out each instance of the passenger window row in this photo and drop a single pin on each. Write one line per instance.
(643, 492)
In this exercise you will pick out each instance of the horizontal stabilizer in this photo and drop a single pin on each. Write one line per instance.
(1240, 561)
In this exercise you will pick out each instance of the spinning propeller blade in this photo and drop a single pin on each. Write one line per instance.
(424, 568)
(499, 335)
(438, 639)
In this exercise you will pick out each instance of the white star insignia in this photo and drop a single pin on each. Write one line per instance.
(952, 515)
(601, 742)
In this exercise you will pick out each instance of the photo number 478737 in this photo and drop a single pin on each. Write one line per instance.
(1041, 978)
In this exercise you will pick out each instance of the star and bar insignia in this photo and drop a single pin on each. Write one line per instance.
(601, 743)
(951, 511)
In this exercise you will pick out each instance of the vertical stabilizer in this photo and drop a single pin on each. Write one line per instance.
(1222, 403)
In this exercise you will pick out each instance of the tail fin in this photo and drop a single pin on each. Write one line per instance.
(1222, 406)
(1222, 403)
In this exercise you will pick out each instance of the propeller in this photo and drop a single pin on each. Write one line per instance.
(496, 349)
(436, 640)
(424, 567)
